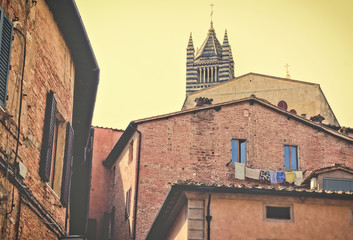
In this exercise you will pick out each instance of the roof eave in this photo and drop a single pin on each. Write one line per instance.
(70, 24)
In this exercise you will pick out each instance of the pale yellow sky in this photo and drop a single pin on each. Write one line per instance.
(140, 47)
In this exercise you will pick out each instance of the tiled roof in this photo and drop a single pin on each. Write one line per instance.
(279, 188)
(333, 167)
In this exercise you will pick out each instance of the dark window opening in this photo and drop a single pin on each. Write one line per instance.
(335, 184)
(282, 213)
(282, 104)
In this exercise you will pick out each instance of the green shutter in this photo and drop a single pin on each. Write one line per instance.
(48, 137)
(6, 29)
(66, 178)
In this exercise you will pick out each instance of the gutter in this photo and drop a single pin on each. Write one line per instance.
(137, 180)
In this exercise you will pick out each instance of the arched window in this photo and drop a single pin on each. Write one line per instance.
(293, 111)
(282, 104)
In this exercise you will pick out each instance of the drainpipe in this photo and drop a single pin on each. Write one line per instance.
(137, 180)
(208, 217)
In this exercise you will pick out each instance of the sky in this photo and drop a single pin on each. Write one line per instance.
(140, 47)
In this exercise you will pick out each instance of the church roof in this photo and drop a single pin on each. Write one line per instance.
(211, 49)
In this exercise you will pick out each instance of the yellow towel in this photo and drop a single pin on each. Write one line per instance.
(290, 177)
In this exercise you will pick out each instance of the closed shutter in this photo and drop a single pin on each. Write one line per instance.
(66, 179)
(105, 229)
(48, 136)
(6, 28)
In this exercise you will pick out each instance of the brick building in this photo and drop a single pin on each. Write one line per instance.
(205, 144)
(47, 99)
(99, 212)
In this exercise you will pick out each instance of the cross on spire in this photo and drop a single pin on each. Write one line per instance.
(211, 11)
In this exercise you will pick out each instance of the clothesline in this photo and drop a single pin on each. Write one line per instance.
(267, 176)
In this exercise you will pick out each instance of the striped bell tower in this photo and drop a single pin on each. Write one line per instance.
(212, 64)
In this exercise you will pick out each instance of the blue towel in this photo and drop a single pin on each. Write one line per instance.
(281, 177)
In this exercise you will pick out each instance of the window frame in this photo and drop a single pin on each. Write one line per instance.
(290, 146)
(127, 204)
(239, 155)
(275, 205)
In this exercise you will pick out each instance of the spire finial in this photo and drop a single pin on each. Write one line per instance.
(287, 66)
(211, 14)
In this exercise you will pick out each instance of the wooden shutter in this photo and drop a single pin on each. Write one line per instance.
(6, 28)
(105, 229)
(66, 178)
(48, 136)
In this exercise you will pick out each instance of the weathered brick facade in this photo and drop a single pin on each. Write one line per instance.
(196, 145)
(104, 141)
(37, 211)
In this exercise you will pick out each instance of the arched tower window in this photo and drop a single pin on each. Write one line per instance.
(282, 104)
(293, 111)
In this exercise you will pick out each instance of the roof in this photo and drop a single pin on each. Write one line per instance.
(172, 202)
(109, 128)
(211, 49)
(336, 166)
(114, 154)
(251, 73)
(70, 24)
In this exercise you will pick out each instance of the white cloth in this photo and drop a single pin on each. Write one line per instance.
(252, 173)
(239, 170)
(298, 177)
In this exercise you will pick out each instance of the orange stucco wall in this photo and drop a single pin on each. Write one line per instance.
(244, 219)
(179, 230)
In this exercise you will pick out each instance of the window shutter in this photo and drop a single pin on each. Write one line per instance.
(6, 28)
(48, 136)
(105, 232)
(66, 179)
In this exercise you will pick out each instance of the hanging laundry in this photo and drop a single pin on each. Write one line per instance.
(252, 173)
(298, 177)
(280, 177)
(273, 176)
(265, 176)
(290, 177)
(239, 170)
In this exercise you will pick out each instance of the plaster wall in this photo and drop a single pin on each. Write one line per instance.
(305, 98)
(179, 230)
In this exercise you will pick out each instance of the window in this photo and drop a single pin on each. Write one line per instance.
(56, 153)
(282, 104)
(290, 157)
(278, 212)
(238, 151)
(6, 28)
(337, 184)
(114, 175)
(131, 151)
(127, 203)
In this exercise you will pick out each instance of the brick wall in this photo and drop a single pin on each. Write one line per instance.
(104, 141)
(48, 67)
(197, 146)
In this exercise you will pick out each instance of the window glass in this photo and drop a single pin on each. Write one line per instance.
(294, 157)
(290, 157)
(238, 150)
(242, 152)
(286, 157)
(235, 150)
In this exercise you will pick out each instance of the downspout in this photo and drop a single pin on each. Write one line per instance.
(18, 214)
(208, 217)
(137, 180)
